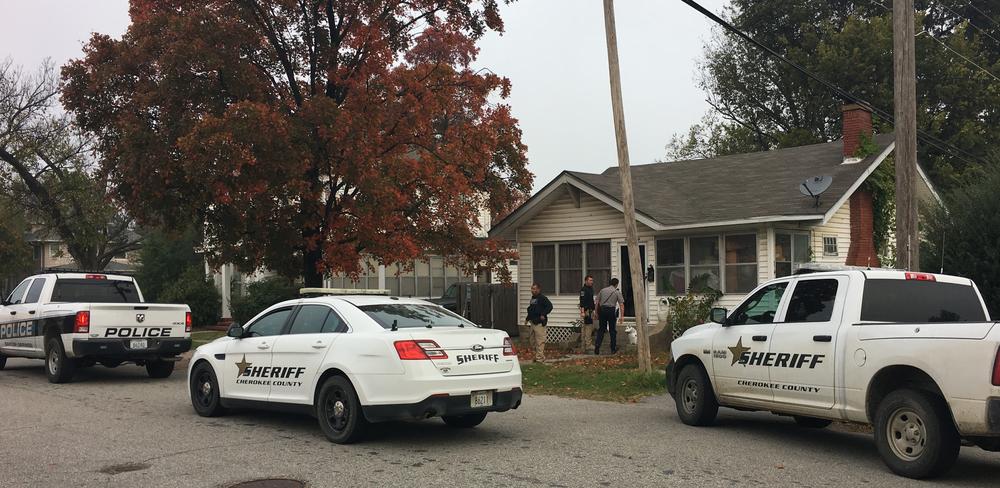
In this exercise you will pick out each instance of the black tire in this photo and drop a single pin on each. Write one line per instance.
(58, 367)
(159, 368)
(3, 361)
(339, 411)
(812, 422)
(696, 403)
(204, 387)
(915, 435)
(466, 421)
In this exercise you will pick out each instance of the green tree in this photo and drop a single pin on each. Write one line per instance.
(164, 257)
(760, 103)
(963, 236)
(15, 252)
(198, 292)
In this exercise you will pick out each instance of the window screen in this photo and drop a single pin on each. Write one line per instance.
(812, 301)
(570, 268)
(544, 267)
(920, 302)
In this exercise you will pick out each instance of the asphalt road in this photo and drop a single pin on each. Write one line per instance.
(119, 428)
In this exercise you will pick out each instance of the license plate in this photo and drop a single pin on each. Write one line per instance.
(137, 344)
(482, 399)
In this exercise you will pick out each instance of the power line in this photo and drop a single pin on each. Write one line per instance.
(840, 92)
(982, 13)
(974, 26)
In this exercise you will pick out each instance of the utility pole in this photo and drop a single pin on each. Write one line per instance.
(628, 203)
(905, 105)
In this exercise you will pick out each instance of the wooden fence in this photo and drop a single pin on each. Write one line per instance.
(490, 305)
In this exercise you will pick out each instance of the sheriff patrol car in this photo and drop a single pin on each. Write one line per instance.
(74, 320)
(914, 354)
(354, 359)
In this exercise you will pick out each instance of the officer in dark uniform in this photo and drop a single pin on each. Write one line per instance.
(587, 314)
(539, 308)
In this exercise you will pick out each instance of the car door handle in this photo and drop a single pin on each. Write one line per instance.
(13, 312)
(822, 338)
(263, 345)
(319, 345)
(32, 312)
(760, 338)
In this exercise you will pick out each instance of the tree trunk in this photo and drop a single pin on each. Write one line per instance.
(311, 259)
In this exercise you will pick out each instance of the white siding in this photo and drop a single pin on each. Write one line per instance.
(839, 226)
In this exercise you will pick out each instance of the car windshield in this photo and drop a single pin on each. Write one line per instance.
(95, 291)
(413, 315)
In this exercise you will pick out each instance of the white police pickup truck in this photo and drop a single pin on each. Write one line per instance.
(74, 320)
(913, 354)
(355, 359)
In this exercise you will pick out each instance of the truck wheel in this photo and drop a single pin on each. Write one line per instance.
(159, 368)
(812, 422)
(696, 403)
(915, 435)
(205, 391)
(339, 411)
(466, 421)
(58, 367)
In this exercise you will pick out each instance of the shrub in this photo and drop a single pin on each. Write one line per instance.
(692, 308)
(164, 257)
(193, 289)
(260, 295)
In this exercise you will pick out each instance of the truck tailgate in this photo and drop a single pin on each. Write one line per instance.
(137, 320)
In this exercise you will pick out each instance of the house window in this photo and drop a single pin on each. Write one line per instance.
(560, 268)
(671, 276)
(705, 261)
(55, 250)
(790, 250)
(741, 263)
(829, 245)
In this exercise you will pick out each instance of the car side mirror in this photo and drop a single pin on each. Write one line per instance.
(235, 331)
(719, 315)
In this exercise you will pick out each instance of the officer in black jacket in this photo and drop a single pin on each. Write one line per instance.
(539, 308)
(587, 314)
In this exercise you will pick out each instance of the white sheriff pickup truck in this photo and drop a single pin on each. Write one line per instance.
(74, 320)
(913, 354)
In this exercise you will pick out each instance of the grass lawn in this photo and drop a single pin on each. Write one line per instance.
(200, 337)
(609, 378)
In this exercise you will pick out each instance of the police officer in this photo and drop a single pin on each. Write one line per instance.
(587, 314)
(611, 304)
(539, 309)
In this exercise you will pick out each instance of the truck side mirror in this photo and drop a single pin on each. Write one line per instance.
(719, 315)
(235, 330)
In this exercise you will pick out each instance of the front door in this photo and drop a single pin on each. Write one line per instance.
(740, 347)
(626, 281)
(805, 343)
(298, 355)
(249, 358)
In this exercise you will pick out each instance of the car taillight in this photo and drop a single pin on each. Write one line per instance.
(422, 349)
(96, 277)
(996, 369)
(187, 322)
(508, 347)
(82, 322)
(920, 276)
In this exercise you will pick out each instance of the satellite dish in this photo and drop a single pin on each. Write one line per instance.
(815, 186)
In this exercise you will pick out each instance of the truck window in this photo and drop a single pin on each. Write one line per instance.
(94, 291)
(15, 296)
(760, 308)
(35, 291)
(812, 301)
(920, 302)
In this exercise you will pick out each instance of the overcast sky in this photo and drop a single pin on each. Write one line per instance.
(553, 51)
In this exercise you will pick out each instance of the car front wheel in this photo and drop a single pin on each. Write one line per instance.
(915, 435)
(205, 396)
(696, 403)
(339, 411)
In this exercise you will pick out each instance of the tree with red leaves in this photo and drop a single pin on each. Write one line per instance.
(307, 133)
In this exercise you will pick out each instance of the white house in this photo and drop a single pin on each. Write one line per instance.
(736, 220)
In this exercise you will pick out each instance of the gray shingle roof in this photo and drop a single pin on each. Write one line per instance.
(737, 187)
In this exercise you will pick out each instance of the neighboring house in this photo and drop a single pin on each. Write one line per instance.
(735, 220)
(50, 251)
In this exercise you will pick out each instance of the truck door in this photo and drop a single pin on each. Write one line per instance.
(16, 336)
(739, 347)
(249, 359)
(298, 355)
(804, 347)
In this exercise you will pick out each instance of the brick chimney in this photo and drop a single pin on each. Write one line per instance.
(858, 123)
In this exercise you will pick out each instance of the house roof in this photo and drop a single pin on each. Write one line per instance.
(727, 190)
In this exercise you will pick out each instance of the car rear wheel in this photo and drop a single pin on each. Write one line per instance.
(58, 367)
(812, 422)
(339, 411)
(466, 421)
(915, 435)
(159, 368)
(696, 403)
(205, 391)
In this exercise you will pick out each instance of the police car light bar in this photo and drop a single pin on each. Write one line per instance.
(343, 291)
